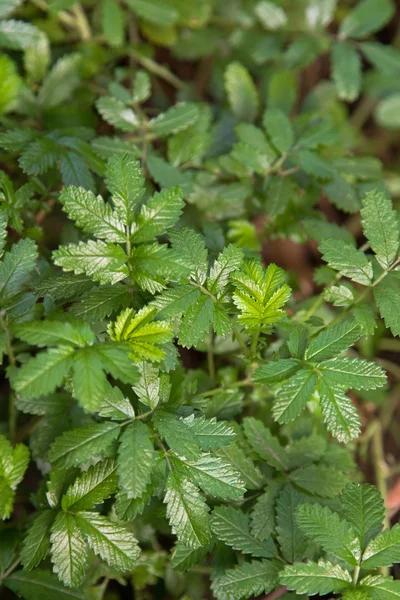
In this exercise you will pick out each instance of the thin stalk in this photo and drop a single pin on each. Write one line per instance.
(210, 356)
(378, 456)
(240, 339)
(254, 342)
(81, 22)
(157, 69)
(356, 575)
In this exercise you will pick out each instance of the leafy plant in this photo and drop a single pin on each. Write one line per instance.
(199, 299)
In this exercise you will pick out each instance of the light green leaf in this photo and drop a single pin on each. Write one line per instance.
(43, 373)
(36, 544)
(16, 266)
(322, 480)
(227, 262)
(383, 550)
(364, 509)
(177, 118)
(116, 113)
(246, 580)
(101, 302)
(347, 260)
(196, 322)
(52, 333)
(156, 12)
(346, 71)
(18, 35)
(159, 214)
(265, 444)
(367, 17)
(387, 298)
(332, 341)
(292, 396)
(210, 433)
(270, 14)
(241, 92)
(246, 468)
(353, 373)
(98, 483)
(279, 129)
(68, 550)
(380, 226)
(115, 406)
(124, 179)
(89, 380)
(340, 414)
(135, 460)
(315, 578)
(276, 371)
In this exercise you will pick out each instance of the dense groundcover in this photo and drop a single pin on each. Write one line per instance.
(199, 299)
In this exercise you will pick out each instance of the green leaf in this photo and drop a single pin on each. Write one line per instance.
(177, 435)
(154, 11)
(78, 446)
(16, 266)
(241, 92)
(196, 322)
(190, 245)
(183, 558)
(265, 444)
(103, 262)
(380, 588)
(262, 516)
(325, 527)
(384, 58)
(210, 433)
(101, 302)
(277, 370)
(157, 215)
(380, 226)
(60, 82)
(315, 578)
(89, 380)
(52, 333)
(271, 16)
(367, 17)
(279, 129)
(383, 550)
(387, 299)
(124, 179)
(353, 373)
(92, 214)
(292, 396)
(115, 406)
(177, 118)
(112, 22)
(112, 543)
(340, 414)
(347, 260)
(116, 113)
(98, 483)
(292, 542)
(333, 341)
(173, 302)
(325, 481)
(363, 508)
(68, 550)
(18, 35)
(40, 584)
(135, 460)
(346, 71)
(246, 468)
(187, 512)
(43, 373)
(231, 526)
(36, 544)
(213, 475)
(117, 361)
(246, 580)
(227, 262)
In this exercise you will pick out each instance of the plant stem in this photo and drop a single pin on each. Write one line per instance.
(240, 339)
(255, 342)
(81, 22)
(210, 356)
(12, 411)
(356, 574)
(10, 569)
(380, 473)
(157, 69)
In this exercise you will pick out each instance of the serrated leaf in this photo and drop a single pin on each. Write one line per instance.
(98, 483)
(387, 299)
(241, 92)
(159, 214)
(347, 260)
(117, 361)
(366, 17)
(213, 475)
(177, 435)
(196, 322)
(173, 302)
(292, 542)
(385, 58)
(315, 578)
(36, 544)
(101, 302)
(177, 118)
(183, 558)
(68, 550)
(77, 446)
(262, 516)
(279, 129)
(380, 588)
(353, 373)
(248, 579)
(380, 226)
(15, 267)
(187, 512)
(383, 550)
(322, 480)
(40, 584)
(231, 526)
(115, 406)
(363, 508)
(265, 444)
(346, 71)
(154, 11)
(43, 373)
(190, 245)
(124, 179)
(340, 414)
(325, 527)
(53, 333)
(117, 113)
(227, 262)
(332, 341)
(246, 468)
(18, 35)
(114, 544)
(210, 433)
(293, 395)
(276, 371)
(89, 380)
(135, 460)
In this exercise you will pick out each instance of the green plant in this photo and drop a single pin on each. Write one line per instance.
(198, 414)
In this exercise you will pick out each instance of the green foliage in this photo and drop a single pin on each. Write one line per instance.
(199, 299)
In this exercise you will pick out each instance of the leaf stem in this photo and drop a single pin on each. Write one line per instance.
(12, 411)
(157, 69)
(81, 22)
(254, 342)
(356, 575)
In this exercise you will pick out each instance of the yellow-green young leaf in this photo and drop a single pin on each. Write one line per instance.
(68, 550)
(114, 544)
(292, 542)
(177, 118)
(364, 509)
(265, 444)
(347, 260)
(98, 483)
(135, 460)
(9, 85)
(124, 179)
(293, 395)
(89, 380)
(112, 22)
(77, 446)
(384, 550)
(353, 373)
(279, 129)
(322, 480)
(40, 584)
(187, 512)
(332, 341)
(231, 525)
(36, 544)
(241, 92)
(380, 226)
(346, 71)
(323, 526)
(366, 17)
(43, 373)
(315, 578)
(247, 580)
(340, 414)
